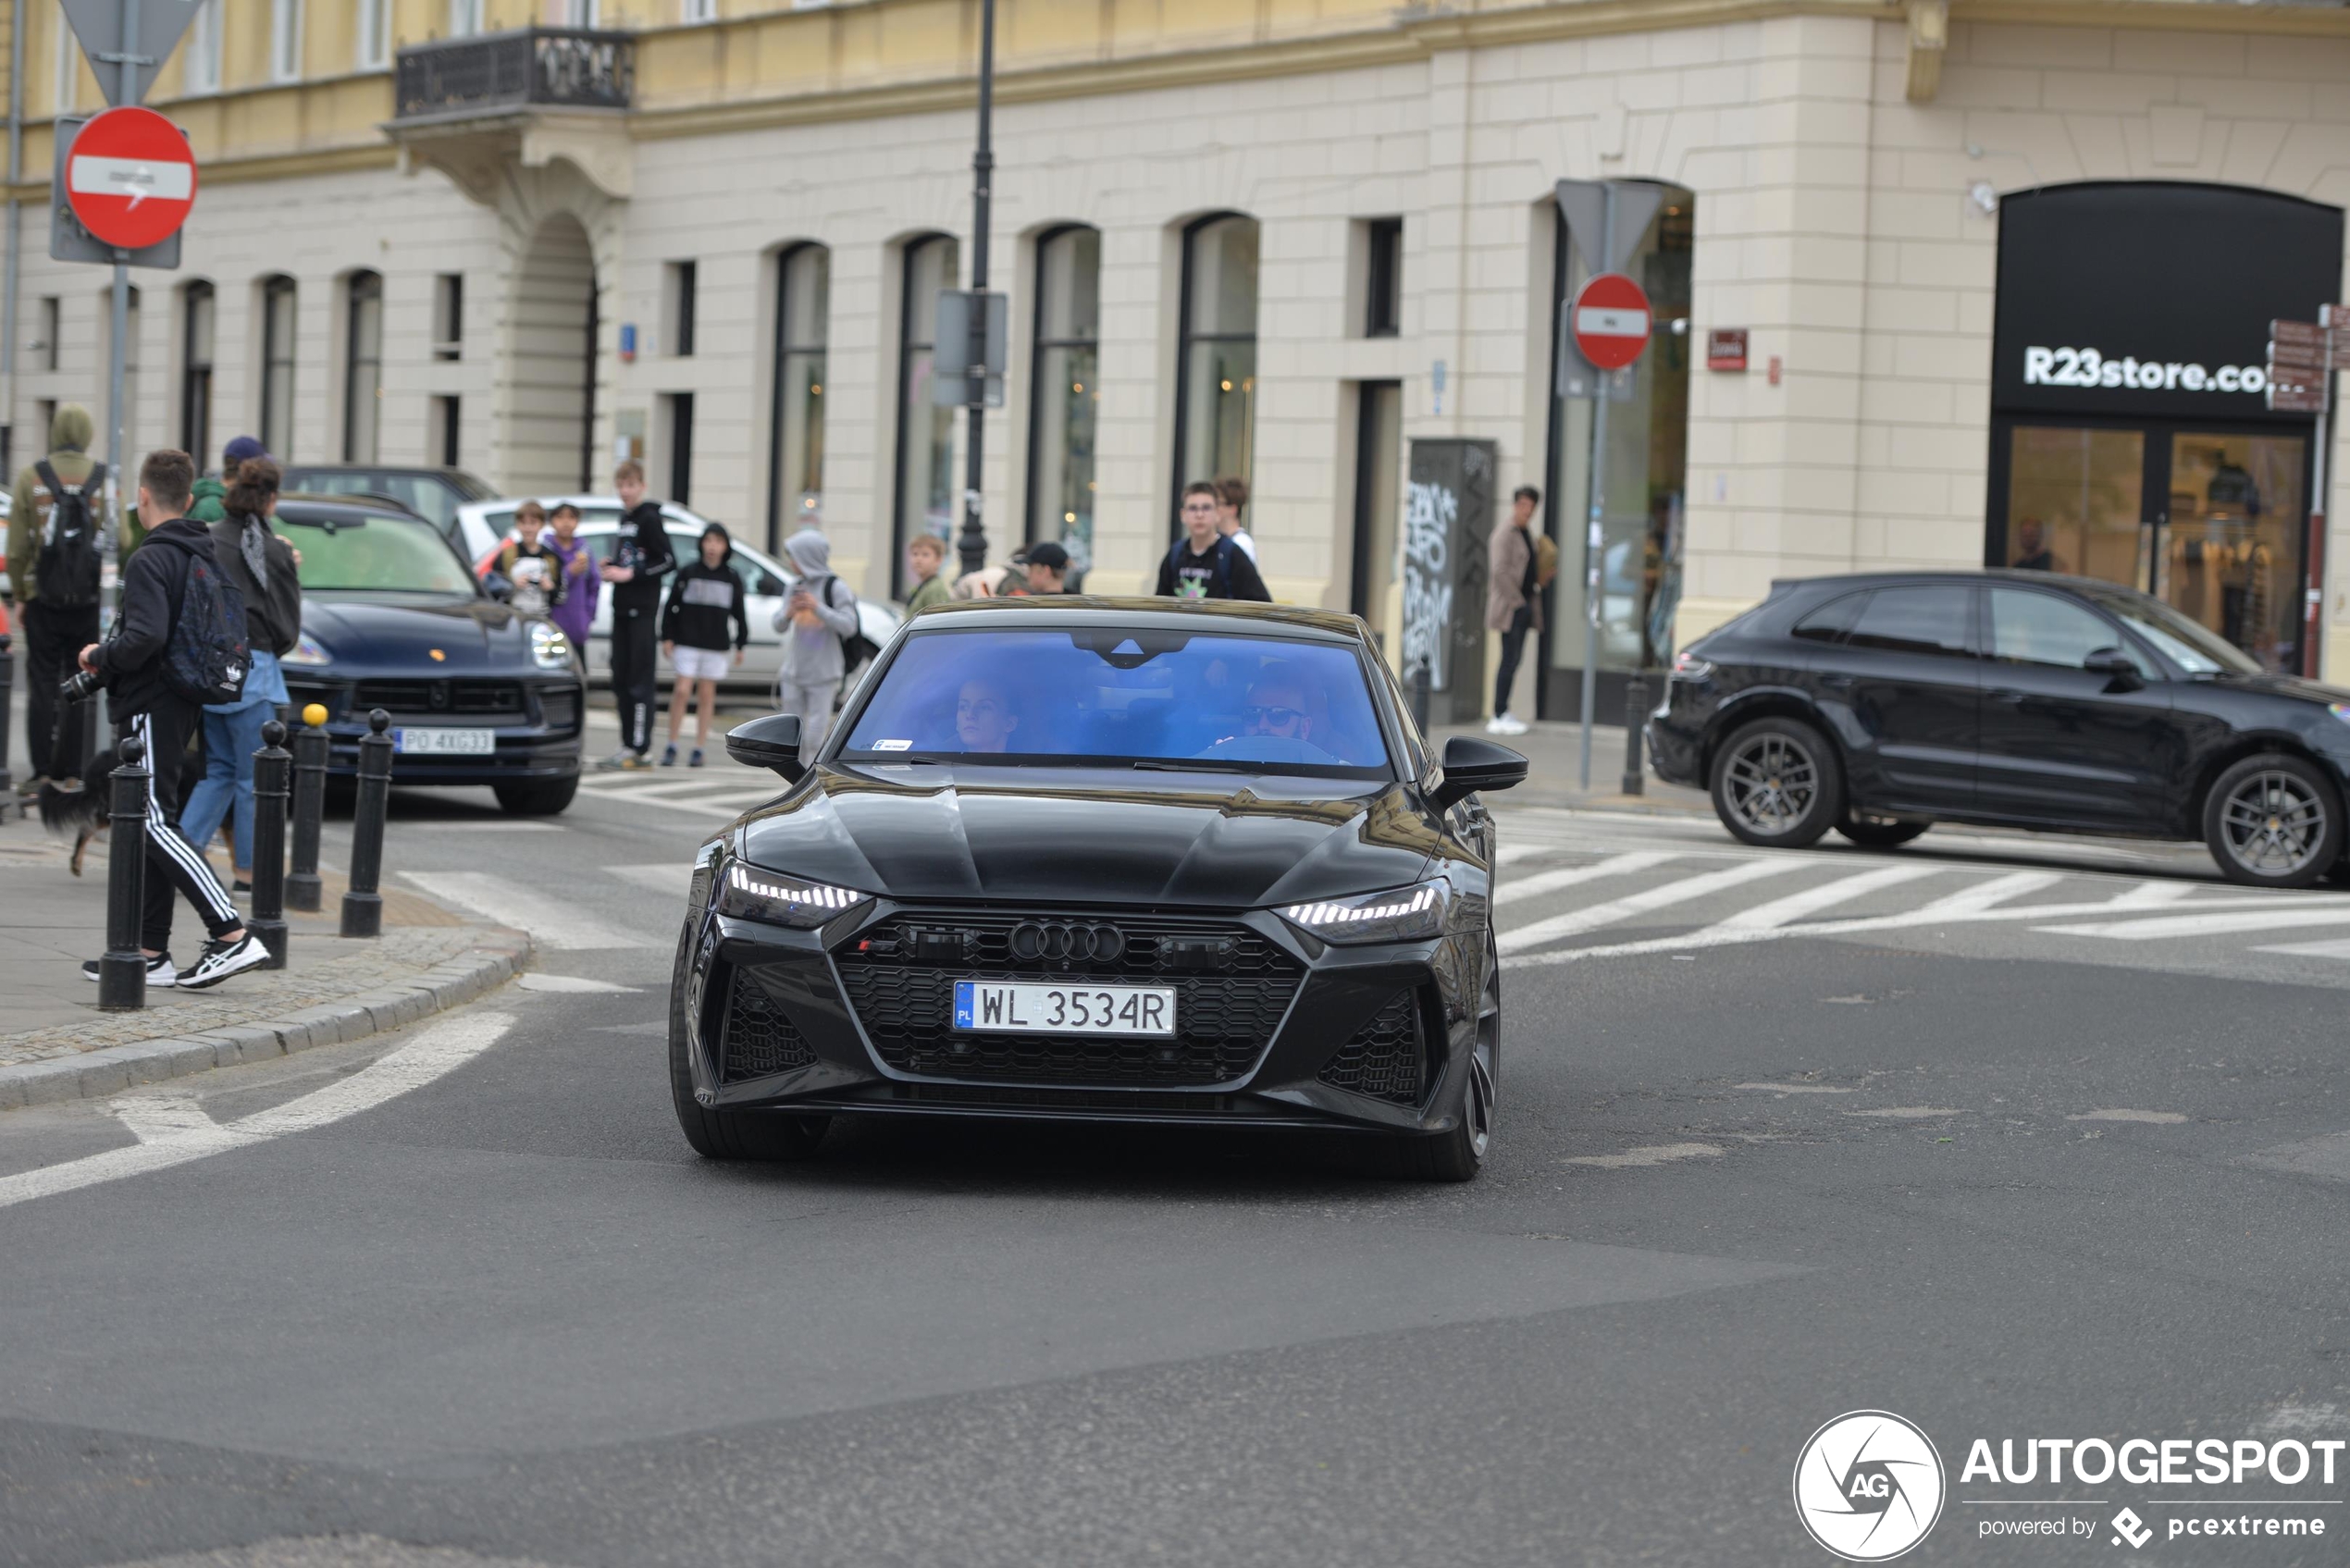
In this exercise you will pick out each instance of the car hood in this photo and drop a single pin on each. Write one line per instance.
(1092, 836)
(2294, 687)
(467, 635)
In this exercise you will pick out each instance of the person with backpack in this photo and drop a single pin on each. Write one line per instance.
(178, 644)
(1519, 565)
(705, 599)
(818, 622)
(1204, 563)
(55, 545)
(264, 569)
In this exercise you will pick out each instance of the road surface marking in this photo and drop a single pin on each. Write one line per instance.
(698, 807)
(2338, 948)
(2209, 923)
(2155, 1118)
(2327, 1154)
(1569, 876)
(179, 1130)
(1811, 900)
(568, 984)
(552, 922)
(1575, 921)
(1654, 1154)
(673, 877)
(2155, 895)
(1984, 894)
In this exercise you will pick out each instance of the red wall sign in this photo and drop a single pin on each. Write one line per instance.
(130, 178)
(1725, 348)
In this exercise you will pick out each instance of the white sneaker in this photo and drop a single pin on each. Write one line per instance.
(1508, 724)
(221, 959)
(161, 970)
(1498, 725)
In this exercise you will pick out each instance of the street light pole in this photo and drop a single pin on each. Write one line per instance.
(972, 544)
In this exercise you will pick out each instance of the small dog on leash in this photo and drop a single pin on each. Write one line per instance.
(82, 809)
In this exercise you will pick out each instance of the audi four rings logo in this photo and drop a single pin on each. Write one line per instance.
(1053, 939)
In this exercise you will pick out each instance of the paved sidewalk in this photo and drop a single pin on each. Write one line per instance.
(1556, 752)
(56, 1044)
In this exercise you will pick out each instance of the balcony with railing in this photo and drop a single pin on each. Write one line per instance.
(502, 73)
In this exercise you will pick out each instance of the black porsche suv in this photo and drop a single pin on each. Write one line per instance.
(1879, 705)
(1104, 860)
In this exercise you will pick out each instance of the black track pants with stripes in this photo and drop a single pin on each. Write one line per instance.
(172, 862)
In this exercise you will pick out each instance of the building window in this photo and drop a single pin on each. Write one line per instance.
(698, 10)
(45, 346)
(196, 317)
(363, 376)
(679, 428)
(1065, 391)
(449, 315)
(65, 80)
(1382, 277)
(925, 502)
(200, 62)
(444, 431)
(1216, 397)
(582, 13)
(277, 366)
(374, 45)
(284, 41)
(465, 18)
(796, 477)
(679, 283)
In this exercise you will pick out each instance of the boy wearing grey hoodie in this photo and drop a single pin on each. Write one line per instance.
(817, 622)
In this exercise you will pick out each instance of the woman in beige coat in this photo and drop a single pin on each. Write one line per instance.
(1513, 601)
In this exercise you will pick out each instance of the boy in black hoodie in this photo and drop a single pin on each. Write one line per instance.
(640, 559)
(704, 597)
(131, 665)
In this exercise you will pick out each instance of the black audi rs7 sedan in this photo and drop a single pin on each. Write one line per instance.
(392, 617)
(1880, 705)
(1106, 859)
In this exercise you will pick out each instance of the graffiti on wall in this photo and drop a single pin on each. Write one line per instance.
(1430, 509)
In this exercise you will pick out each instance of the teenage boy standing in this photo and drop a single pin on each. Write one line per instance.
(1203, 565)
(640, 559)
(703, 599)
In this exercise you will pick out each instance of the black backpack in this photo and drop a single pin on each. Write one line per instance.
(1224, 549)
(67, 574)
(204, 659)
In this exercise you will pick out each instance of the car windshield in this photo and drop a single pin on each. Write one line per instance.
(430, 496)
(1095, 696)
(2192, 648)
(381, 555)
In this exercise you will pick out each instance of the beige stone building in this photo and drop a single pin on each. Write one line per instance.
(1286, 238)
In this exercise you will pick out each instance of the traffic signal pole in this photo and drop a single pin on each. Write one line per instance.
(972, 544)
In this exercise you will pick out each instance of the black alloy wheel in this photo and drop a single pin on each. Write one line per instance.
(1878, 833)
(2273, 821)
(1459, 1155)
(1777, 783)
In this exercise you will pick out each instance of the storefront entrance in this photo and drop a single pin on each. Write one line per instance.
(2131, 436)
(2212, 520)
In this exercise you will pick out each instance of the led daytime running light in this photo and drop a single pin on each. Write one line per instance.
(787, 893)
(1343, 914)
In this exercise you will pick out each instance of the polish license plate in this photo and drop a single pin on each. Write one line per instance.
(991, 1007)
(445, 743)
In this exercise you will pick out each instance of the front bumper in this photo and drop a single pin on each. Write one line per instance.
(541, 738)
(1296, 1034)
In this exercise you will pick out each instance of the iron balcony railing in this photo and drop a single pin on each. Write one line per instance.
(555, 67)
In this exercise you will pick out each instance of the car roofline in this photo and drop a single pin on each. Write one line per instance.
(1103, 610)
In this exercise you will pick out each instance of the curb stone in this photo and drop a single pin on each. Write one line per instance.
(91, 1074)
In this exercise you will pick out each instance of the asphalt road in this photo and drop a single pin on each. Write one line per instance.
(2013, 1139)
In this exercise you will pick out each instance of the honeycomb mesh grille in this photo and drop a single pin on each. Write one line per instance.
(759, 1039)
(1384, 1059)
(1232, 987)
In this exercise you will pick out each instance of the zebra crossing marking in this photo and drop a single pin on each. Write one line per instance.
(1517, 890)
(1575, 921)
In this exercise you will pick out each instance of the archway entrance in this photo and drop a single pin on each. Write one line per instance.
(551, 402)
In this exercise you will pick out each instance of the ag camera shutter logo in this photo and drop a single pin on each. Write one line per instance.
(1868, 1486)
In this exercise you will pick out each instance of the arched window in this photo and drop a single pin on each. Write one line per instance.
(363, 374)
(196, 318)
(1215, 386)
(1063, 390)
(277, 300)
(925, 502)
(795, 443)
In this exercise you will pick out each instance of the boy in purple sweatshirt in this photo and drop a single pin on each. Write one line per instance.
(583, 586)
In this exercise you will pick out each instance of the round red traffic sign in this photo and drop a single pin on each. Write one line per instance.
(1611, 321)
(130, 178)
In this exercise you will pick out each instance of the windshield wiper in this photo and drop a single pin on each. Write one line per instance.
(1196, 765)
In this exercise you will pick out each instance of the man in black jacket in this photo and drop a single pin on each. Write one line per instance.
(130, 665)
(1203, 564)
(640, 557)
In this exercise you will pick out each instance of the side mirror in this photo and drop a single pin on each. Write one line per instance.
(2117, 665)
(1471, 765)
(772, 741)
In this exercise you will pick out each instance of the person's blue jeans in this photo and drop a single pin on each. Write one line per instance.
(230, 737)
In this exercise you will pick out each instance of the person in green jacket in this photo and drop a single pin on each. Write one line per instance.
(926, 556)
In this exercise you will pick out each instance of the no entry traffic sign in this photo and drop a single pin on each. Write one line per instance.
(1611, 321)
(130, 178)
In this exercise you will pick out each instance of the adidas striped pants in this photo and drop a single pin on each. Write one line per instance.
(173, 864)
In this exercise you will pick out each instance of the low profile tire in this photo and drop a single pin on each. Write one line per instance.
(539, 798)
(1777, 783)
(2273, 821)
(2339, 875)
(1878, 833)
(1459, 1155)
(737, 1135)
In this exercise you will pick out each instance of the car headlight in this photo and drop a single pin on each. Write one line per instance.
(750, 893)
(548, 647)
(1688, 666)
(306, 650)
(1400, 914)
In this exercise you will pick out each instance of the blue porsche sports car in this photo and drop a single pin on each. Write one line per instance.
(391, 618)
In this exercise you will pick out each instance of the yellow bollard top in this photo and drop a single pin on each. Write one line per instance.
(315, 715)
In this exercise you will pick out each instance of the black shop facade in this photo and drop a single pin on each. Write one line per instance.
(2131, 437)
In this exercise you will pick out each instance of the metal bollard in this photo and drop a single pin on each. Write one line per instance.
(363, 907)
(1636, 714)
(122, 974)
(1420, 696)
(303, 890)
(269, 789)
(7, 693)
